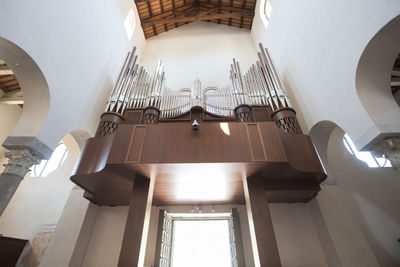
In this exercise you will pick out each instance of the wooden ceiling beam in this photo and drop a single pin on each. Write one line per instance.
(174, 8)
(5, 70)
(226, 7)
(168, 13)
(162, 11)
(241, 19)
(191, 18)
(151, 14)
(12, 97)
(219, 10)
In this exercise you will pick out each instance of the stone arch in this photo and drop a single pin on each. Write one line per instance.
(373, 80)
(34, 87)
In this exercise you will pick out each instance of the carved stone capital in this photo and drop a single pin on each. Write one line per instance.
(390, 149)
(20, 161)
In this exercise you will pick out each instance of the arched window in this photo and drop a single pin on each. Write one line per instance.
(367, 157)
(265, 10)
(46, 166)
(130, 23)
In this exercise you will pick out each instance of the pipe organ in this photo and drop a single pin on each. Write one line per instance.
(249, 149)
(259, 86)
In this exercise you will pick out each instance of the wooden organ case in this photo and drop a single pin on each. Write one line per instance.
(250, 151)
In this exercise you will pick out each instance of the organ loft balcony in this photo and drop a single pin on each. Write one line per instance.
(203, 166)
(246, 131)
(239, 144)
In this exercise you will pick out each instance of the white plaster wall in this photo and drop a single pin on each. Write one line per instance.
(348, 238)
(62, 244)
(9, 115)
(80, 47)
(39, 201)
(295, 233)
(362, 210)
(316, 46)
(200, 50)
(106, 238)
(358, 203)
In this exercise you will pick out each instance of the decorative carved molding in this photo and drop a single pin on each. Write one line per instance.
(390, 149)
(20, 161)
(31, 142)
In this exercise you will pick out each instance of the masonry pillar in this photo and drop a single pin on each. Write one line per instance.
(23, 152)
(390, 149)
(262, 233)
(137, 223)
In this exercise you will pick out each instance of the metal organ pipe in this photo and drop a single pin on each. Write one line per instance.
(258, 86)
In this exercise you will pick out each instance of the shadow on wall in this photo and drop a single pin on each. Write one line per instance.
(373, 82)
(371, 193)
(34, 87)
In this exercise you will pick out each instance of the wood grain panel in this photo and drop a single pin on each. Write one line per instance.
(133, 234)
(265, 239)
(206, 166)
(136, 144)
(256, 145)
(177, 143)
(120, 145)
(274, 149)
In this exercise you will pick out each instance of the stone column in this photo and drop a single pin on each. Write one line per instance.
(390, 149)
(23, 152)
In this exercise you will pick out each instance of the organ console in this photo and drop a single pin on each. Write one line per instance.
(249, 149)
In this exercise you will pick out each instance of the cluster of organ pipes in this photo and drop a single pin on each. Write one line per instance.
(260, 85)
(136, 88)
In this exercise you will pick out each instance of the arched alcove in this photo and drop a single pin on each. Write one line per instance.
(367, 196)
(34, 88)
(320, 134)
(373, 80)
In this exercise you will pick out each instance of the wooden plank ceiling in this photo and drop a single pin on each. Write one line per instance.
(395, 78)
(8, 81)
(159, 16)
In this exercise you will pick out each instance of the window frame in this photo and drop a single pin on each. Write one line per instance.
(235, 239)
(61, 161)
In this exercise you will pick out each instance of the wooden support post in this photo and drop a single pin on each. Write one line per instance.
(137, 223)
(262, 234)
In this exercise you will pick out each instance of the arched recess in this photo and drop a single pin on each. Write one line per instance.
(34, 87)
(373, 82)
(80, 137)
(320, 134)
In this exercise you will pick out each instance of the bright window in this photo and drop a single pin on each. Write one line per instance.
(266, 10)
(129, 23)
(199, 243)
(367, 157)
(46, 166)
